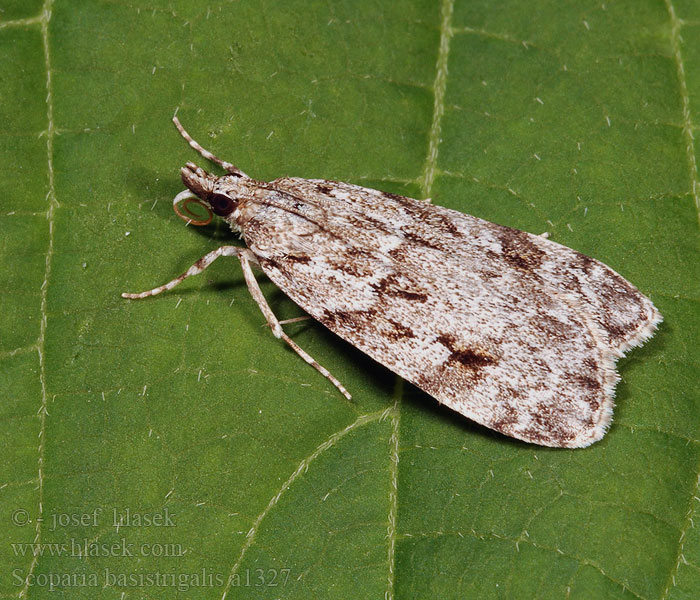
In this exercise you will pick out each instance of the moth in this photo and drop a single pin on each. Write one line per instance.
(509, 329)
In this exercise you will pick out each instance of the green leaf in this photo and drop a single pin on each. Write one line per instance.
(576, 118)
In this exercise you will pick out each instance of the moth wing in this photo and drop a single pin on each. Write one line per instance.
(502, 348)
(624, 316)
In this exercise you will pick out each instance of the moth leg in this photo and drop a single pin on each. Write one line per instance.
(544, 235)
(230, 168)
(294, 320)
(195, 269)
(245, 257)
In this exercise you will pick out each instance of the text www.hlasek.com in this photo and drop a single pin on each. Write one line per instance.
(88, 549)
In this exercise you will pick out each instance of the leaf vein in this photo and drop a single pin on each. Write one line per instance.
(44, 19)
(439, 88)
(302, 467)
(685, 99)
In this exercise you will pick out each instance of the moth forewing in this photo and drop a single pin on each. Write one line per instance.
(514, 331)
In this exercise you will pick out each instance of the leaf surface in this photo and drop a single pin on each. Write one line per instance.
(576, 118)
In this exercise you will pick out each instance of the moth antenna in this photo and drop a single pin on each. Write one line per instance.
(227, 166)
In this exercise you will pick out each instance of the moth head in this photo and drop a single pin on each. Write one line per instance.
(208, 191)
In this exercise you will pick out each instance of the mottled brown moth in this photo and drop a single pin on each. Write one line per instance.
(510, 329)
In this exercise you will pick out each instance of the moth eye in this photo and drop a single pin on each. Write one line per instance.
(221, 205)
